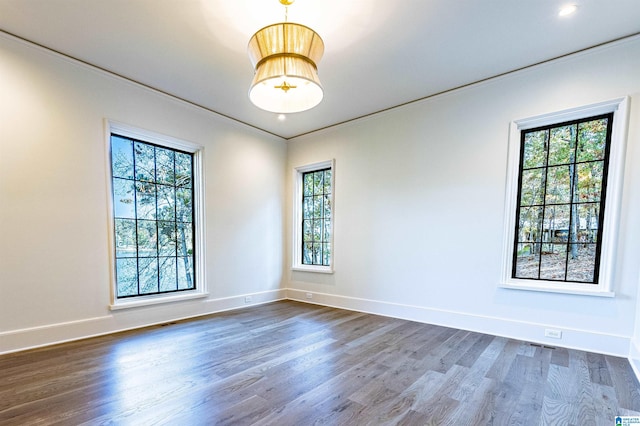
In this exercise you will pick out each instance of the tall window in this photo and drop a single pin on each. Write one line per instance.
(316, 217)
(563, 199)
(153, 211)
(313, 233)
(562, 188)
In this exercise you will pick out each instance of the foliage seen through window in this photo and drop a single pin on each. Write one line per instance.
(562, 187)
(316, 217)
(153, 213)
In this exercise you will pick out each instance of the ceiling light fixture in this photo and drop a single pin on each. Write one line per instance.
(285, 58)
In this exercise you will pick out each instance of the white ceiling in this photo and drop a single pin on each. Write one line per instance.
(378, 53)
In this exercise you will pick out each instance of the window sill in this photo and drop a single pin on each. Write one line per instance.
(311, 268)
(576, 289)
(154, 300)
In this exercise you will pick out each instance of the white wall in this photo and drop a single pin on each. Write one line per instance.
(54, 252)
(419, 199)
(410, 174)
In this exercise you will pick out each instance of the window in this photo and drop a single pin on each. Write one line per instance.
(561, 193)
(313, 233)
(564, 198)
(154, 187)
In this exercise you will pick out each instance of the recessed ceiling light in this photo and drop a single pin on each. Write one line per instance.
(282, 117)
(568, 10)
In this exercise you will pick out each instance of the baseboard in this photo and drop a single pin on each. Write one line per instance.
(528, 331)
(634, 357)
(117, 321)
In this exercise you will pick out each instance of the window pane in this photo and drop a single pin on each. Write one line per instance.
(307, 230)
(146, 200)
(327, 231)
(147, 238)
(185, 273)
(121, 157)
(530, 224)
(166, 202)
(168, 274)
(307, 184)
(126, 277)
(556, 222)
(148, 273)
(327, 206)
(532, 189)
(183, 170)
(317, 230)
(592, 140)
(165, 165)
(167, 238)
(185, 239)
(318, 182)
(307, 208)
(535, 149)
(125, 238)
(317, 206)
(562, 145)
(317, 254)
(307, 253)
(582, 262)
(590, 181)
(184, 210)
(327, 181)
(589, 220)
(553, 262)
(527, 261)
(558, 185)
(124, 198)
(326, 254)
(145, 162)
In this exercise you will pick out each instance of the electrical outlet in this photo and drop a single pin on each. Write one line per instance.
(554, 334)
(247, 299)
(309, 295)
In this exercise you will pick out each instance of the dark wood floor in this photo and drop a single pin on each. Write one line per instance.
(288, 363)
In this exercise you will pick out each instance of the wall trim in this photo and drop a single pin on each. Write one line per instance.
(129, 319)
(634, 357)
(608, 344)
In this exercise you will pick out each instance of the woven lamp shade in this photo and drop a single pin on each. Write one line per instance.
(286, 75)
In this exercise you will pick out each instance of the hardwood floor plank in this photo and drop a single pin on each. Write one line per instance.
(503, 362)
(624, 382)
(289, 363)
(598, 369)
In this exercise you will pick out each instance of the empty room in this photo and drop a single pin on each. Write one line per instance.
(277, 212)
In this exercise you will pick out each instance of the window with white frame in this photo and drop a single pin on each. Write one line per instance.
(565, 178)
(155, 188)
(313, 233)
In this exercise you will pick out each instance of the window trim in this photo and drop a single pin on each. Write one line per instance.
(604, 288)
(297, 264)
(198, 216)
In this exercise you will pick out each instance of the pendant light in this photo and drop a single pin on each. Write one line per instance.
(285, 57)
